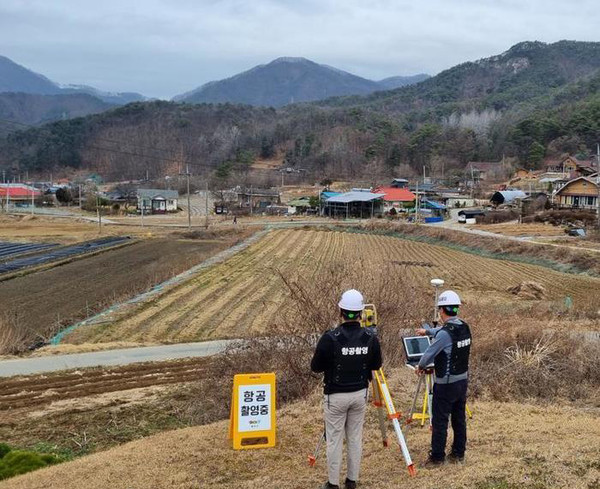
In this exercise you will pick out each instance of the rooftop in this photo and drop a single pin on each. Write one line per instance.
(393, 194)
(355, 197)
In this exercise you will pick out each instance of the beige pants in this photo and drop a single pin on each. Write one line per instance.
(344, 415)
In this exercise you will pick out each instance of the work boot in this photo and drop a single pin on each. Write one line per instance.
(329, 485)
(431, 463)
(349, 484)
(453, 458)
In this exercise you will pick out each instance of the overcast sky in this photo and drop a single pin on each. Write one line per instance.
(162, 48)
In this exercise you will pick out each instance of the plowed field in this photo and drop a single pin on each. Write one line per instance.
(34, 391)
(244, 294)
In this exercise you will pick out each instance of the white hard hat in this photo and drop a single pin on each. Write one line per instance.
(352, 300)
(448, 298)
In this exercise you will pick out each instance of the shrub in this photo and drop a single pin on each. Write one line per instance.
(4, 449)
(498, 216)
(518, 362)
(17, 462)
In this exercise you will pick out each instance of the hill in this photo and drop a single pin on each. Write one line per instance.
(16, 78)
(526, 70)
(401, 81)
(511, 446)
(34, 109)
(113, 98)
(533, 101)
(288, 80)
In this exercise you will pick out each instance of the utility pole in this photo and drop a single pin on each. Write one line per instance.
(99, 214)
(32, 200)
(189, 206)
(598, 183)
(417, 203)
(206, 203)
(251, 200)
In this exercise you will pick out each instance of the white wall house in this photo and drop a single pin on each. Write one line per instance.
(157, 201)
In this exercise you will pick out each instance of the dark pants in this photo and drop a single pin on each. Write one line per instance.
(449, 400)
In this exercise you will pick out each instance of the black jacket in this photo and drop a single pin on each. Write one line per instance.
(324, 358)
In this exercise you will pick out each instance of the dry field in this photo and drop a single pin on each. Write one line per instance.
(511, 446)
(41, 302)
(244, 294)
(59, 229)
(512, 229)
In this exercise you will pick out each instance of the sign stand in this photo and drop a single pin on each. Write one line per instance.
(252, 422)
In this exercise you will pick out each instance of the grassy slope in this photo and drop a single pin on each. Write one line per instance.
(510, 446)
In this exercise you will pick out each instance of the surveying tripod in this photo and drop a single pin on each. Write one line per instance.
(382, 400)
(425, 412)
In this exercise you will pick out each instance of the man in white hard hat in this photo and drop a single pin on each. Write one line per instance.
(347, 355)
(449, 352)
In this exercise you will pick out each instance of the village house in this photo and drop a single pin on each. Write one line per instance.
(478, 171)
(399, 183)
(571, 167)
(395, 197)
(156, 201)
(257, 198)
(579, 193)
(18, 193)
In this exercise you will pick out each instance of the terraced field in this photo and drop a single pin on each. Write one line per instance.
(245, 293)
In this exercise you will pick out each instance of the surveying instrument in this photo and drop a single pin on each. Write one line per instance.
(382, 400)
(425, 413)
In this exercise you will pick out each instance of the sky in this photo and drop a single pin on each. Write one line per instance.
(163, 48)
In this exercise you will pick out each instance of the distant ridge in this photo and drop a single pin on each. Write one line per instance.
(18, 79)
(289, 80)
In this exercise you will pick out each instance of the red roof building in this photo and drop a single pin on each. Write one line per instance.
(395, 197)
(393, 194)
(18, 191)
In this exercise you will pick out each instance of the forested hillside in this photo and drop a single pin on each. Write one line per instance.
(534, 100)
(29, 108)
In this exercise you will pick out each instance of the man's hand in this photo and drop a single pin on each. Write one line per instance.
(421, 332)
(419, 371)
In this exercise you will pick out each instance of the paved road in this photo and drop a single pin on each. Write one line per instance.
(125, 356)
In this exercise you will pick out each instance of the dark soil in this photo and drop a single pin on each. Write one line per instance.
(42, 303)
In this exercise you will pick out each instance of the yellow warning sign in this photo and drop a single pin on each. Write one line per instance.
(252, 422)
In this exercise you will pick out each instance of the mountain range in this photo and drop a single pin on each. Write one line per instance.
(533, 101)
(280, 82)
(290, 80)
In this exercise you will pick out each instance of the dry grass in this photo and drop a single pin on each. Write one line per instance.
(13, 338)
(65, 349)
(510, 446)
(533, 229)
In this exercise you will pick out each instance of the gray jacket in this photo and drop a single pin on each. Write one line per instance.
(442, 341)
